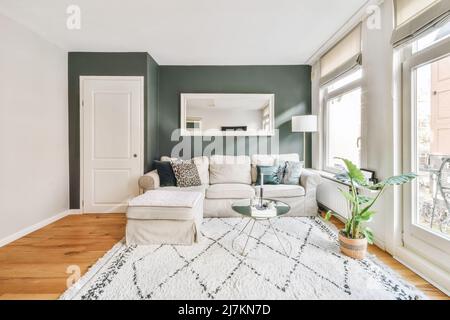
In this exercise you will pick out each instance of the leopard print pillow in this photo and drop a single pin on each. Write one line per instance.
(186, 173)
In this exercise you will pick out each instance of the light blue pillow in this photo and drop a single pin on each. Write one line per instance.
(292, 173)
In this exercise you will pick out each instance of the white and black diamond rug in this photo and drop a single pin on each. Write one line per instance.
(213, 269)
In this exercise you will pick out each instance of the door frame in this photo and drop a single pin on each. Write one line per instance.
(82, 80)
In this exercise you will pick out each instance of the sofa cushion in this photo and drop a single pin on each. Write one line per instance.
(161, 204)
(201, 189)
(272, 174)
(230, 173)
(270, 160)
(281, 191)
(292, 172)
(230, 191)
(202, 164)
(186, 173)
(263, 159)
(218, 159)
(165, 172)
(260, 160)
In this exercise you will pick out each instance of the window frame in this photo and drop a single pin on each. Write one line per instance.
(415, 236)
(326, 98)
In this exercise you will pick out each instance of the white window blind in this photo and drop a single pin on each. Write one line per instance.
(345, 55)
(413, 17)
(407, 9)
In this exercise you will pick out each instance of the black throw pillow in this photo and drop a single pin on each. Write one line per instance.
(165, 173)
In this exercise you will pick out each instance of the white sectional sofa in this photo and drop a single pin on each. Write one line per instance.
(226, 179)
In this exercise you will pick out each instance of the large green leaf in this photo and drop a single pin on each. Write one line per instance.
(364, 199)
(368, 234)
(347, 195)
(365, 216)
(354, 172)
(398, 180)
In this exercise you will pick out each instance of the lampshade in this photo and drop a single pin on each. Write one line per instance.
(304, 123)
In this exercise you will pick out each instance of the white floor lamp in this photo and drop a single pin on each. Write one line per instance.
(304, 124)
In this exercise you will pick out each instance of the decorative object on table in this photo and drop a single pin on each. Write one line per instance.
(186, 173)
(264, 210)
(304, 124)
(355, 236)
(292, 173)
(261, 192)
(165, 172)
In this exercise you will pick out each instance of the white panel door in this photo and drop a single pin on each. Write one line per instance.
(112, 142)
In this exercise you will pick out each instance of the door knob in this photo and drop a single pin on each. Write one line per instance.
(135, 155)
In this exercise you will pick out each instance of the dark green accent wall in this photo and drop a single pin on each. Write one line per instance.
(109, 64)
(163, 85)
(290, 84)
(151, 124)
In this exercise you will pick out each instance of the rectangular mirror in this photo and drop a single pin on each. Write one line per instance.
(227, 114)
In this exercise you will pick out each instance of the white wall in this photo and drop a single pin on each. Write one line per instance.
(34, 171)
(379, 115)
(378, 119)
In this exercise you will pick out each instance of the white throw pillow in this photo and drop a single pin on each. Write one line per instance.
(218, 159)
(230, 173)
(202, 164)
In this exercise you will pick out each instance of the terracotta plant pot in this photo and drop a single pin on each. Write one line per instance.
(354, 248)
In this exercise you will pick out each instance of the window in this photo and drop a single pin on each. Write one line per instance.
(408, 9)
(432, 37)
(344, 56)
(414, 17)
(425, 92)
(342, 119)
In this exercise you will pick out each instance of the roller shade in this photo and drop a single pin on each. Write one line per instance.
(345, 55)
(413, 17)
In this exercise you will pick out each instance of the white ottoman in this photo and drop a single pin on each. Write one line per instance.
(165, 217)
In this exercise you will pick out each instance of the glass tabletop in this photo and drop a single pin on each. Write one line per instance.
(272, 208)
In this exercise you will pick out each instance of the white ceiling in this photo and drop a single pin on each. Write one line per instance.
(191, 32)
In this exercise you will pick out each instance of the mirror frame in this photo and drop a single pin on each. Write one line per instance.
(184, 97)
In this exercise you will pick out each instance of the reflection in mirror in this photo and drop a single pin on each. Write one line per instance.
(227, 114)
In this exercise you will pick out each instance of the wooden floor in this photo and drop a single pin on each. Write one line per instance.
(34, 267)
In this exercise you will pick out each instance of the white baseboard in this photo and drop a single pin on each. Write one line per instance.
(37, 226)
(75, 211)
(431, 273)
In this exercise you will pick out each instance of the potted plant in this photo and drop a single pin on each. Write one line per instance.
(354, 237)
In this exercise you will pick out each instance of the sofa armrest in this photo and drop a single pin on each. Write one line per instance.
(310, 180)
(149, 181)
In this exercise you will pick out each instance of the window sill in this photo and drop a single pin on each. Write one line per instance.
(331, 176)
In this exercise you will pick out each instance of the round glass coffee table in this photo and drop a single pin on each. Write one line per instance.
(271, 209)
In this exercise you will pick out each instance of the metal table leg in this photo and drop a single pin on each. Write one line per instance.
(248, 237)
(249, 220)
(276, 235)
